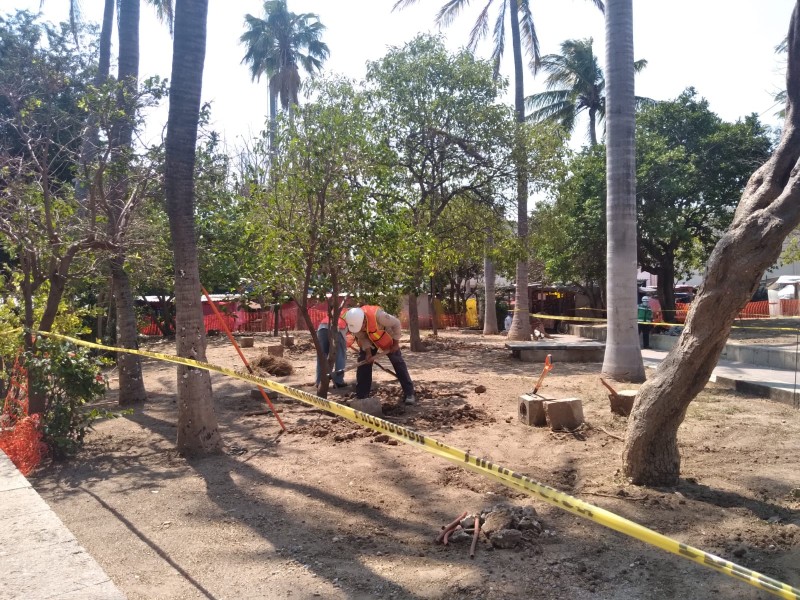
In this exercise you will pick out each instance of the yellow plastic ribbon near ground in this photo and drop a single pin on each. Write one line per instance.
(488, 469)
(659, 323)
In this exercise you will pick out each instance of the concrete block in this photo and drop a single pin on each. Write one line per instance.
(287, 340)
(622, 402)
(275, 350)
(531, 410)
(247, 341)
(371, 406)
(566, 413)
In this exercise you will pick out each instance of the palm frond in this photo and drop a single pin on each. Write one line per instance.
(401, 4)
(528, 33)
(480, 29)
(639, 65)
(499, 36)
(450, 11)
(542, 101)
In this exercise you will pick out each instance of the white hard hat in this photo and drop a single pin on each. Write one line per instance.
(355, 319)
(645, 299)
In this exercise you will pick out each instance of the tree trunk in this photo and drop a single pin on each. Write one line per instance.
(198, 432)
(131, 382)
(623, 358)
(768, 211)
(666, 285)
(490, 312)
(413, 324)
(91, 139)
(432, 309)
(521, 323)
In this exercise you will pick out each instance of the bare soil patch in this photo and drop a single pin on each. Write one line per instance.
(331, 510)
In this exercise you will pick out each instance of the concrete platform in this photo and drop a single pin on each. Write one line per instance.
(566, 351)
(39, 556)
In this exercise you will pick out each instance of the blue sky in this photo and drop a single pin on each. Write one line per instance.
(724, 48)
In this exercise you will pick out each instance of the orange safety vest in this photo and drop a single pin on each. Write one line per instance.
(376, 334)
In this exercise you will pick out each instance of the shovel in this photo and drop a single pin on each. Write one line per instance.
(358, 364)
(548, 366)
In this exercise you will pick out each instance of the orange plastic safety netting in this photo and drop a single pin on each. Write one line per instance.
(20, 433)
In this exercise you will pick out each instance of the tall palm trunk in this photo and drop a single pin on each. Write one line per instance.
(198, 432)
(131, 382)
(490, 311)
(623, 359)
(521, 323)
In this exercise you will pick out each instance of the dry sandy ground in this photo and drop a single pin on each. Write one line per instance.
(330, 510)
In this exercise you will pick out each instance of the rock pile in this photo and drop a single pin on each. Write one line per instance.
(503, 526)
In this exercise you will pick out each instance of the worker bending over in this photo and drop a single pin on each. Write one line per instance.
(374, 329)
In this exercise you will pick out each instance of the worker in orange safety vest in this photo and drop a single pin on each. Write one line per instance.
(376, 330)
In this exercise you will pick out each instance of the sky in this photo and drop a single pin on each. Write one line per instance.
(723, 48)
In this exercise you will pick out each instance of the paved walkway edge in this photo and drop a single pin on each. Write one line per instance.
(39, 557)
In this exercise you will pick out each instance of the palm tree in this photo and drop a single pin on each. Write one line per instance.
(198, 432)
(275, 48)
(623, 359)
(131, 382)
(575, 83)
(522, 30)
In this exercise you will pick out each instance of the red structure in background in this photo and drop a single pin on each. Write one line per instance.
(239, 319)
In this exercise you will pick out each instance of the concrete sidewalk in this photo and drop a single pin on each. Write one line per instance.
(39, 556)
(781, 385)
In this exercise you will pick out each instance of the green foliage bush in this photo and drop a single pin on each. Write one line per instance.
(69, 378)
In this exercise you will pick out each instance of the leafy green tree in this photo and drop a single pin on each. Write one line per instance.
(568, 230)
(691, 168)
(42, 91)
(447, 136)
(523, 31)
(277, 46)
(318, 229)
(575, 83)
(198, 432)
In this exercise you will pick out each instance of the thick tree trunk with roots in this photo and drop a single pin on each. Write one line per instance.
(198, 432)
(768, 211)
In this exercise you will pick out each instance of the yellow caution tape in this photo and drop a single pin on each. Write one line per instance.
(488, 469)
(658, 323)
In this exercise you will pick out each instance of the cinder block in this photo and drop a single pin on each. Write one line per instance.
(622, 402)
(531, 410)
(247, 341)
(287, 340)
(275, 350)
(566, 413)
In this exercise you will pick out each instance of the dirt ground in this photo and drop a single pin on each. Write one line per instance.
(330, 510)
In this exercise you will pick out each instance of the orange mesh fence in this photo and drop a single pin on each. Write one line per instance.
(20, 434)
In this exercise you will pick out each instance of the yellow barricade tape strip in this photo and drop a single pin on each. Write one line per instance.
(498, 473)
(659, 323)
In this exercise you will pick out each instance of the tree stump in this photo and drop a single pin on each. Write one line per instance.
(622, 402)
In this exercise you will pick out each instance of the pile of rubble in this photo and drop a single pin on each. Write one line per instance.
(503, 526)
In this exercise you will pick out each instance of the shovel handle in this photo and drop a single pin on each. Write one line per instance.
(548, 365)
